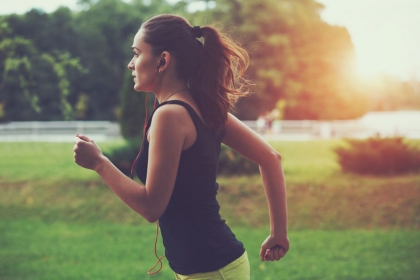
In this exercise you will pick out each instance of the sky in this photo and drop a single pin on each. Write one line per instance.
(385, 33)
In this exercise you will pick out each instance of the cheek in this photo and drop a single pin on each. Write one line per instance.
(144, 75)
(143, 67)
(146, 71)
(137, 64)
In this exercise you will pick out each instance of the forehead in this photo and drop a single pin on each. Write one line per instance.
(139, 42)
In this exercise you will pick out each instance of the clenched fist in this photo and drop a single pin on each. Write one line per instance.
(86, 153)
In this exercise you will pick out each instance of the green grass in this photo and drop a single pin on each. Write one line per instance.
(339, 202)
(33, 249)
(308, 161)
(24, 161)
(59, 221)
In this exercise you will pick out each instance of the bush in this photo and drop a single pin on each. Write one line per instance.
(379, 156)
(230, 162)
(123, 156)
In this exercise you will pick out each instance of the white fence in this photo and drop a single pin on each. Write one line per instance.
(312, 130)
(403, 123)
(57, 131)
(384, 124)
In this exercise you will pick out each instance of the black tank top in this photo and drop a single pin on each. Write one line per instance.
(195, 237)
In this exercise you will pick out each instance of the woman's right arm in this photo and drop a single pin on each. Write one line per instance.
(245, 141)
(167, 136)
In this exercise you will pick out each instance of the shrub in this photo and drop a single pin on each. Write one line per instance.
(230, 162)
(379, 156)
(123, 156)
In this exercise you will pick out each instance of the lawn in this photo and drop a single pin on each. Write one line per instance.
(34, 249)
(58, 221)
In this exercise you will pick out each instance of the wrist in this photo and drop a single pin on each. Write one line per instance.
(100, 163)
(278, 231)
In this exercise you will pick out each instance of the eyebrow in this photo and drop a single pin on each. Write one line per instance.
(135, 48)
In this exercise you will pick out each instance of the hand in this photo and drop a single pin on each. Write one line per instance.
(86, 153)
(274, 248)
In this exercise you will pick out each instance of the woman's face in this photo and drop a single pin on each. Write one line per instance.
(143, 64)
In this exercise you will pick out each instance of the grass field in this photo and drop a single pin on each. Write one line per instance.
(58, 221)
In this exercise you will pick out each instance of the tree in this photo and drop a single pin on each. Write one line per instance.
(106, 29)
(67, 65)
(296, 57)
(33, 85)
(15, 55)
(70, 60)
(133, 109)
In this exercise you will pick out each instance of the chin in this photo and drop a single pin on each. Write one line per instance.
(138, 88)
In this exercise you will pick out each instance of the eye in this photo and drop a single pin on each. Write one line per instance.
(135, 54)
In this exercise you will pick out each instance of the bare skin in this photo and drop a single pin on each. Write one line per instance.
(173, 131)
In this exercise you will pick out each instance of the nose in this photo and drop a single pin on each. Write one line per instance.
(130, 65)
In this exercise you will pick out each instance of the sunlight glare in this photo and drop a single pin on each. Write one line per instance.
(384, 34)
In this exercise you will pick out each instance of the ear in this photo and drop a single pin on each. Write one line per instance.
(164, 61)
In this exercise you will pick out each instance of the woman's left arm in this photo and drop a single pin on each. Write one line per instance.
(249, 144)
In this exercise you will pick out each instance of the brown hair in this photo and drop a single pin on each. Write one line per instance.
(213, 69)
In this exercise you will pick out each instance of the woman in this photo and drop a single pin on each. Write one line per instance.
(196, 84)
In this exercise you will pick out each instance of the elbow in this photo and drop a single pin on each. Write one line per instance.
(151, 217)
(276, 155)
(272, 158)
(151, 211)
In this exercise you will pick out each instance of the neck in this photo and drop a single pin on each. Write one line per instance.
(168, 90)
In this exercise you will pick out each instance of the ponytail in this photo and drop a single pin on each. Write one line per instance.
(218, 81)
(213, 69)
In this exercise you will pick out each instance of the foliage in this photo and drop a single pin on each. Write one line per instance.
(379, 156)
(123, 156)
(51, 49)
(296, 57)
(105, 30)
(31, 78)
(72, 65)
(133, 109)
(231, 163)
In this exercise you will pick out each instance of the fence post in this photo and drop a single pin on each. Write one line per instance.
(325, 131)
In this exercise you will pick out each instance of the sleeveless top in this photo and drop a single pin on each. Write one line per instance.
(195, 237)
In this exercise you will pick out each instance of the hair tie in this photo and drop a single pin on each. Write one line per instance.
(196, 31)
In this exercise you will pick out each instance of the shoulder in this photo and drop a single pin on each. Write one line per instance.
(171, 111)
(171, 126)
(172, 116)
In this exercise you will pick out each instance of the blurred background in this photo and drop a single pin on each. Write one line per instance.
(327, 60)
(324, 71)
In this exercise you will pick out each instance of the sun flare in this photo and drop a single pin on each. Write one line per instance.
(384, 34)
